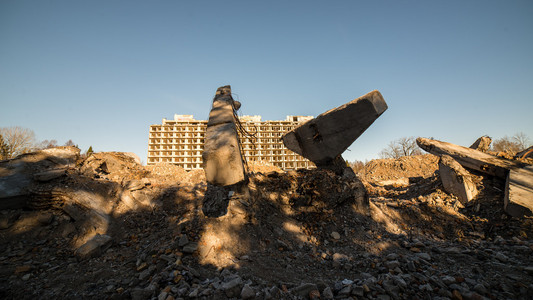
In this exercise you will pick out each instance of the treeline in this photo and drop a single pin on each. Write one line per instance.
(15, 141)
(406, 146)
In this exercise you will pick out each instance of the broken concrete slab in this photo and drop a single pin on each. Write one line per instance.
(518, 199)
(470, 158)
(222, 157)
(482, 144)
(324, 138)
(456, 180)
(223, 163)
(49, 175)
(20, 174)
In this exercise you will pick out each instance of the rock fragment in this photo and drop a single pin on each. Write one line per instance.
(456, 180)
(94, 246)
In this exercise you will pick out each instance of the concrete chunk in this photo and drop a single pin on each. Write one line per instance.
(482, 144)
(223, 164)
(222, 157)
(324, 138)
(470, 158)
(519, 192)
(456, 180)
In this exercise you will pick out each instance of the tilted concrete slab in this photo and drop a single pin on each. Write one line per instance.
(327, 136)
(456, 180)
(223, 164)
(470, 158)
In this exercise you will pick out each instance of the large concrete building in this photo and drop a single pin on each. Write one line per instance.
(181, 142)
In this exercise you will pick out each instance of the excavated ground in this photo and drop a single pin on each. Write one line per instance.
(308, 234)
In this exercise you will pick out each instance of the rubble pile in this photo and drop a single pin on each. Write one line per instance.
(261, 166)
(403, 167)
(107, 227)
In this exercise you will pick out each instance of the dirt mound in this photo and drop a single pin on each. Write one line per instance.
(166, 173)
(115, 166)
(403, 167)
(262, 166)
(166, 169)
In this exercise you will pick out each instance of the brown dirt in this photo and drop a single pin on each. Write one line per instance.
(403, 167)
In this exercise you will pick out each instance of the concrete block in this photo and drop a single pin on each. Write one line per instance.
(482, 144)
(456, 180)
(223, 164)
(222, 158)
(518, 200)
(324, 138)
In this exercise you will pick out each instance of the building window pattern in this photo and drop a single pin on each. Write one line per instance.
(181, 142)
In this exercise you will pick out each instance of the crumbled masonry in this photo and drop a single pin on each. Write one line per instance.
(105, 227)
(518, 200)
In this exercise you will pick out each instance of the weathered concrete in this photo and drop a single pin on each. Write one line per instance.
(20, 174)
(223, 164)
(470, 158)
(519, 192)
(518, 200)
(456, 180)
(482, 144)
(324, 138)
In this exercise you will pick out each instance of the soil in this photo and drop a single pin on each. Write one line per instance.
(389, 233)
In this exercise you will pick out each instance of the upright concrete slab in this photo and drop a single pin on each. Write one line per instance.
(324, 138)
(482, 144)
(518, 199)
(223, 164)
(456, 180)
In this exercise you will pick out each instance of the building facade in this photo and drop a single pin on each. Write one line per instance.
(181, 142)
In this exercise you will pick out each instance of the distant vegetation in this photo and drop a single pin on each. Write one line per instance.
(405, 146)
(15, 141)
(514, 144)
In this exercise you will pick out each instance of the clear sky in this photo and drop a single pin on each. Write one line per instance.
(101, 72)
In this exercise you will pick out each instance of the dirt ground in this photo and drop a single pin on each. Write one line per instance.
(389, 233)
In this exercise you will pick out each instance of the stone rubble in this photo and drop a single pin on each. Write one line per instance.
(297, 237)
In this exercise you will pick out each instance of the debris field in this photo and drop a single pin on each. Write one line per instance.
(106, 227)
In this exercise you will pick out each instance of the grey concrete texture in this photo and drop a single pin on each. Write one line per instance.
(456, 180)
(327, 136)
(518, 199)
(223, 163)
(222, 158)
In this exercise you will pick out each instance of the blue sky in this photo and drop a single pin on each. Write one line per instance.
(101, 72)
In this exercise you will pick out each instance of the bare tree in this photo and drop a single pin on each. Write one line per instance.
(18, 140)
(70, 143)
(522, 140)
(3, 148)
(514, 144)
(46, 144)
(404, 146)
(356, 165)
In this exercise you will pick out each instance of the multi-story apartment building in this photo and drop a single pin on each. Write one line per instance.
(181, 142)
